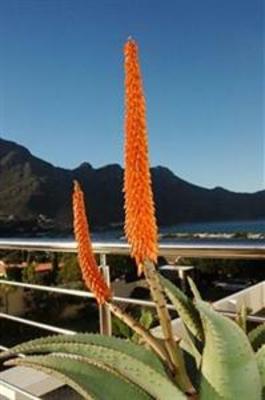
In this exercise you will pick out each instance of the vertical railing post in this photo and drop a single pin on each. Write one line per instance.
(105, 322)
(182, 277)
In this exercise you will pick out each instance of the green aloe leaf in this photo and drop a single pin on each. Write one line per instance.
(157, 384)
(185, 308)
(146, 319)
(257, 337)
(138, 352)
(92, 381)
(229, 368)
(194, 289)
(260, 355)
(119, 328)
(187, 344)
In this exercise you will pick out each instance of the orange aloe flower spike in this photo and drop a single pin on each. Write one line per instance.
(89, 268)
(140, 221)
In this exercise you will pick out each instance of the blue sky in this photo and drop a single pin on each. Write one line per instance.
(61, 83)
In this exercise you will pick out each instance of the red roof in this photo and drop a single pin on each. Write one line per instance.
(43, 267)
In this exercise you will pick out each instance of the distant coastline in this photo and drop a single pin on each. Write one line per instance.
(254, 229)
(253, 226)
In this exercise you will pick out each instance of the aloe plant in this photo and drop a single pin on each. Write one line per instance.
(84, 361)
(100, 367)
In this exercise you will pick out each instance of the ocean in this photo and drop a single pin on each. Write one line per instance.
(257, 226)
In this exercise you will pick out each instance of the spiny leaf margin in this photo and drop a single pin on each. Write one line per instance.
(229, 368)
(257, 337)
(90, 379)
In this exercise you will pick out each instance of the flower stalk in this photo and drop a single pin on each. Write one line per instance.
(93, 278)
(140, 220)
(89, 268)
(148, 338)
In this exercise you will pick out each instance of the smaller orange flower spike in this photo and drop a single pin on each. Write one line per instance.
(140, 221)
(90, 271)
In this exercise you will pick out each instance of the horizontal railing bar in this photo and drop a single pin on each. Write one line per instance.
(4, 348)
(196, 248)
(85, 294)
(251, 318)
(78, 293)
(18, 390)
(138, 302)
(52, 289)
(40, 325)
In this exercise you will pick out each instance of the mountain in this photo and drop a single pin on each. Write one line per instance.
(34, 194)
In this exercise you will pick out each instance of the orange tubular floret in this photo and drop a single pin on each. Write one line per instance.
(90, 271)
(140, 221)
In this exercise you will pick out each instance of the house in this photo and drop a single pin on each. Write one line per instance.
(3, 267)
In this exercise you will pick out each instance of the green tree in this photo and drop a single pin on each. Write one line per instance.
(69, 274)
(29, 274)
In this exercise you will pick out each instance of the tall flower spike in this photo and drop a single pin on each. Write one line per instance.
(90, 271)
(140, 221)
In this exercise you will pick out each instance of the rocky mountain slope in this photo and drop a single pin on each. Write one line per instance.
(34, 190)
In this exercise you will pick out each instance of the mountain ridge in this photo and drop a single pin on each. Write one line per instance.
(30, 187)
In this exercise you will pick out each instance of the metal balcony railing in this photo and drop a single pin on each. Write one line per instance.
(228, 249)
(192, 248)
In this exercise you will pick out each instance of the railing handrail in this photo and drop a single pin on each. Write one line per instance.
(87, 294)
(79, 293)
(40, 325)
(193, 248)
